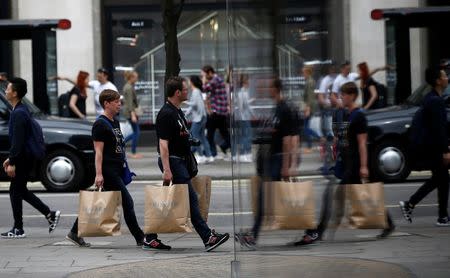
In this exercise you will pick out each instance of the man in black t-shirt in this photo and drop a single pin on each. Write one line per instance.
(173, 148)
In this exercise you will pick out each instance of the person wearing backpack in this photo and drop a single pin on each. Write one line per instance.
(374, 93)
(432, 146)
(22, 154)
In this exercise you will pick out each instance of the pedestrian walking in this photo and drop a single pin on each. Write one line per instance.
(197, 113)
(21, 161)
(434, 149)
(102, 83)
(243, 115)
(217, 107)
(374, 93)
(173, 148)
(109, 166)
(352, 144)
(276, 158)
(310, 109)
(131, 111)
(78, 95)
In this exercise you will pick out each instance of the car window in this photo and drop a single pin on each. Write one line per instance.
(417, 96)
(4, 110)
(34, 110)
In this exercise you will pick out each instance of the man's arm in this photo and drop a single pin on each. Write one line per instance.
(362, 147)
(164, 153)
(98, 146)
(18, 136)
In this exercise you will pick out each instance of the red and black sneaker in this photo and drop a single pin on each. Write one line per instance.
(307, 239)
(215, 240)
(154, 244)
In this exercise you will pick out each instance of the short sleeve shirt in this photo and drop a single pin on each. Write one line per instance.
(81, 102)
(171, 125)
(283, 125)
(112, 139)
(341, 80)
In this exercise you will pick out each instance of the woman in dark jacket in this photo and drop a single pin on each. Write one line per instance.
(78, 95)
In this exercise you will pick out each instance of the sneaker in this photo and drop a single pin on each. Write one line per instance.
(155, 244)
(79, 241)
(443, 222)
(407, 209)
(386, 232)
(200, 159)
(307, 239)
(248, 158)
(227, 157)
(210, 159)
(53, 220)
(14, 233)
(245, 239)
(219, 156)
(215, 240)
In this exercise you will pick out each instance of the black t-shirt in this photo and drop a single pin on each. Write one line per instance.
(366, 92)
(347, 131)
(171, 125)
(283, 124)
(81, 102)
(113, 141)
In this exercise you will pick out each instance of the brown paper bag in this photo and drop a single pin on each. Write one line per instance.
(292, 206)
(99, 213)
(202, 186)
(365, 205)
(166, 209)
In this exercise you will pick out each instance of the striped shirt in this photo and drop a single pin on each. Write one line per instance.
(218, 99)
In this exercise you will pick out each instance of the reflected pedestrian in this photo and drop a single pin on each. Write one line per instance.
(434, 150)
(78, 95)
(310, 109)
(130, 111)
(20, 162)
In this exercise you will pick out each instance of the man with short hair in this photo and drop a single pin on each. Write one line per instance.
(217, 108)
(102, 83)
(435, 152)
(173, 148)
(20, 162)
(345, 76)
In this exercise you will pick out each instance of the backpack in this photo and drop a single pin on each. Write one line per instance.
(35, 142)
(63, 105)
(417, 135)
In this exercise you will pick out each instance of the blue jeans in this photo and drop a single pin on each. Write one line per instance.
(134, 136)
(181, 176)
(198, 132)
(244, 137)
(309, 133)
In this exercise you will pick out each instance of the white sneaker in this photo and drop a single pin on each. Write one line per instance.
(227, 157)
(210, 159)
(200, 159)
(248, 158)
(219, 156)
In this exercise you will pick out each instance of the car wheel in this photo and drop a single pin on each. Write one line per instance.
(389, 162)
(61, 171)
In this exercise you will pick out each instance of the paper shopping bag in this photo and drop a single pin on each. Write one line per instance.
(99, 213)
(292, 206)
(166, 209)
(365, 206)
(202, 186)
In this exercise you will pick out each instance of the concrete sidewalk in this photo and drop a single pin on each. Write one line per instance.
(415, 250)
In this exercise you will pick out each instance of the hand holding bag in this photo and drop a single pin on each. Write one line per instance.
(166, 209)
(365, 208)
(99, 213)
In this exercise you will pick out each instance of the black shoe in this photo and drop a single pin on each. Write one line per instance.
(307, 239)
(246, 239)
(79, 241)
(407, 209)
(443, 222)
(386, 232)
(215, 240)
(154, 244)
(53, 220)
(14, 233)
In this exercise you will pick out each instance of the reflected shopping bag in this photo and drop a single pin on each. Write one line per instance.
(365, 205)
(292, 205)
(99, 213)
(166, 209)
(202, 186)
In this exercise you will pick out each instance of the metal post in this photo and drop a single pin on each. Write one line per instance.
(152, 72)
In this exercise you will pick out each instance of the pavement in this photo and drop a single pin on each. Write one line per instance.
(415, 250)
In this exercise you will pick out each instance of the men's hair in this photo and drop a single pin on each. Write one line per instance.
(104, 71)
(208, 69)
(349, 88)
(109, 96)
(277, 84)
(3, 74)
(19, 85)
(345, 63)
(173, 84)
(431, 75)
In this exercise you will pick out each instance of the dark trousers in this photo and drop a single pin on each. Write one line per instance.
(439, 180)
(113, 182)
(18, 191)
(216, 121)
(181, 176)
